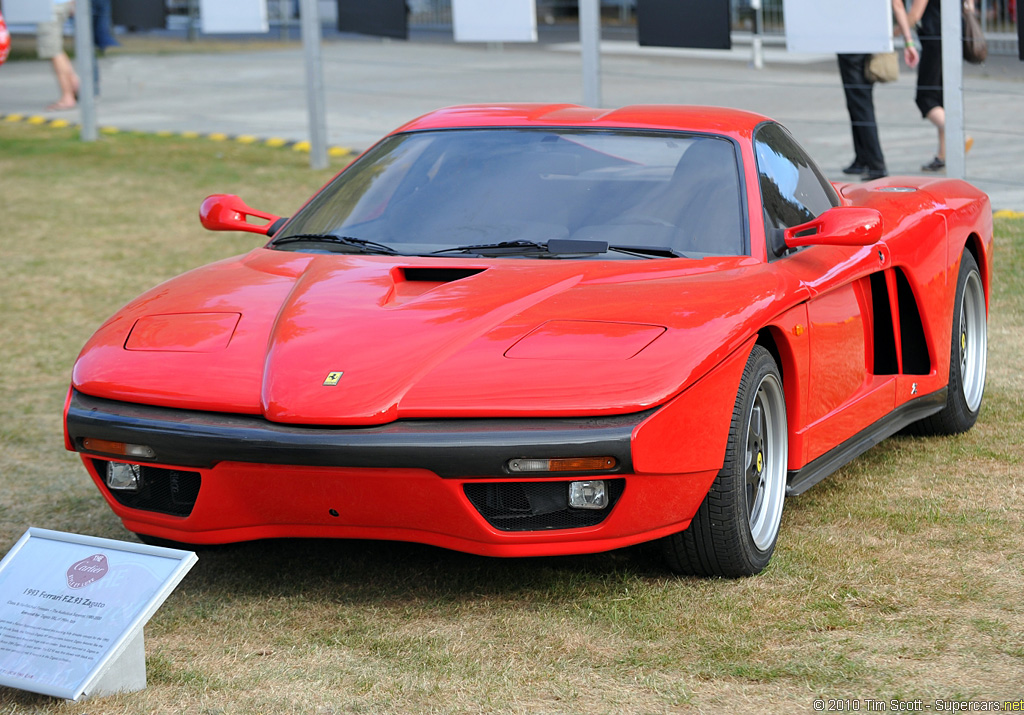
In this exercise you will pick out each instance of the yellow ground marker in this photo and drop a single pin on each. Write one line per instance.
(303, 146)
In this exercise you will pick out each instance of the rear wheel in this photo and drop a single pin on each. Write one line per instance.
(968, 359)
(735, 529)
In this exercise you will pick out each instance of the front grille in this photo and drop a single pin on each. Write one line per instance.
(168, 491)
(536, 506)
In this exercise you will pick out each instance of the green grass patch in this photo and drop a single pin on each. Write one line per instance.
(898, 577)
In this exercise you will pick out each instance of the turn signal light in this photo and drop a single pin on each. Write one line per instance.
(569, 464)
(122, 449)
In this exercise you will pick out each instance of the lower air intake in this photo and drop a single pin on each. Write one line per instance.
(536, 506)
(167, 491)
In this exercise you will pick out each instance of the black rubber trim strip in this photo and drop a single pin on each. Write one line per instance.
(449, 448)
(800, 480)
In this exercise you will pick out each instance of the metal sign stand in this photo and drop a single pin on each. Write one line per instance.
(590, 49)
(127, 672)
(953, 89)
(85, 59)
(311, 34)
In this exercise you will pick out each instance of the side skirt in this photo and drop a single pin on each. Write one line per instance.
(800, 480)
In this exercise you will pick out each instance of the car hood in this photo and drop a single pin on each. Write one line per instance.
(355, 339)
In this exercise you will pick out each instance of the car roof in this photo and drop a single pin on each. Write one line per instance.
(718, 120)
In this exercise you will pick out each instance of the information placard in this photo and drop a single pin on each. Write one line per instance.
(72, 605)
(233, 16)
(838, 26)
(25, 12)
(494, 20)
(670, 23)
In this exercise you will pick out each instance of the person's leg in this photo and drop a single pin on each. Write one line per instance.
(929, 95)
(871, 146)
(67, 80)
(868, 157)
(50, 46)
(848, 73)
(937, 116)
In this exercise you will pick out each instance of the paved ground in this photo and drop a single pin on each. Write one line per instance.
(374, 85)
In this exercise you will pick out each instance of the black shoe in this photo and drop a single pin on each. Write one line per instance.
(936, 164)
(855, 169)
(872, 174)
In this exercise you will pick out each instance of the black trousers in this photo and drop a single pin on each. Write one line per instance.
(861, 106)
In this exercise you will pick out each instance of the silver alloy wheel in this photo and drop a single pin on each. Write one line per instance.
(973, 341)
(767, 455)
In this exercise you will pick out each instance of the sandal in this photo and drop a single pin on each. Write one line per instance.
(936, 164)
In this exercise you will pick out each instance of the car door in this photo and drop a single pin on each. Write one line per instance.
(844, 395)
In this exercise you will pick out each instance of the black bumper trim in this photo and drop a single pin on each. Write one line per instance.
(449, 448)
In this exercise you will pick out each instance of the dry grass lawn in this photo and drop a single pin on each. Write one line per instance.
(901, 576)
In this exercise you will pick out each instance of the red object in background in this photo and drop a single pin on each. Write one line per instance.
(492, 296)
(5, 40)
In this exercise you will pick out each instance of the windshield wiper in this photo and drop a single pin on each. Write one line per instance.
(554, 247)
(496, 248)
(361, 243)
(650, 251)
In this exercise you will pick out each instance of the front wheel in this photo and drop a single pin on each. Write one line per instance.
(735, 529)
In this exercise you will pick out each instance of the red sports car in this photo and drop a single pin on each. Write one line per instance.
(5, 40)
(531, 330)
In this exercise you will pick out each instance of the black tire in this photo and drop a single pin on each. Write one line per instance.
(736, 527)
(968, 357)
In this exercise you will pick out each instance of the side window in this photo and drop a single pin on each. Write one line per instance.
(793, 189)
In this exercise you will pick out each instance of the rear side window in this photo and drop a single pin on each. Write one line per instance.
(793, 189)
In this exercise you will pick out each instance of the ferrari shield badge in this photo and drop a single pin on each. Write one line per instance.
(332, 378)
(88, 570)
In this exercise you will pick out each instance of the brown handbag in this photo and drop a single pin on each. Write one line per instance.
(882, 67)
(975, 46)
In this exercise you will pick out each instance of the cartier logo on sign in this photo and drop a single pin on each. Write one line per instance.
(88, 570)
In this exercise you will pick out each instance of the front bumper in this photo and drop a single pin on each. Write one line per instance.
(448, 448)
(437, 482)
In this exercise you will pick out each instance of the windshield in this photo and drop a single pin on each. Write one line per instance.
(447, 192)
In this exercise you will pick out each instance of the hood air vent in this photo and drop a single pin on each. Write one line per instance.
(438, 275)
(411, 282)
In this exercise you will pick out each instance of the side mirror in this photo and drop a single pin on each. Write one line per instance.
(839, 226)
(227, 212)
